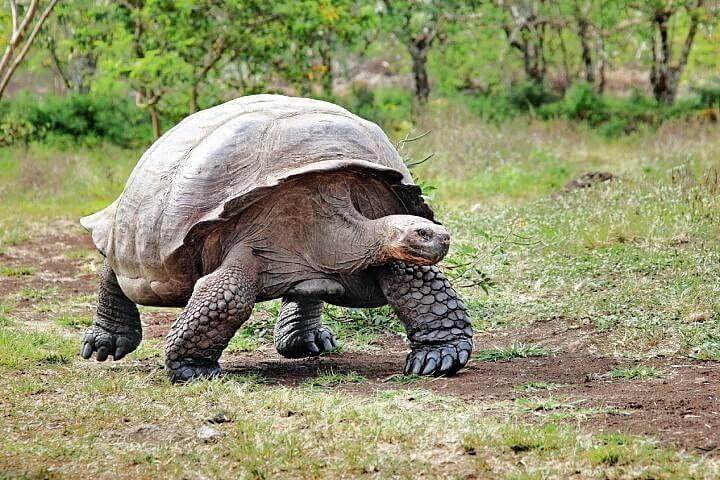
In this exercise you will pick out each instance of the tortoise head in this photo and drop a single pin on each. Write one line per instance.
(414, 239)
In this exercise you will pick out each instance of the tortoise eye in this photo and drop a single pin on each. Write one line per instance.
(425, 234)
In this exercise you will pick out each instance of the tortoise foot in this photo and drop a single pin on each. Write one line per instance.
(107, 343)
(308, 344)
(183, 371)
(441, 359)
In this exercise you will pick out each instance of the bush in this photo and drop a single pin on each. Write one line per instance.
(80, 118)
(708, 96)
(389, 107)
(527, 96)
(504, 104)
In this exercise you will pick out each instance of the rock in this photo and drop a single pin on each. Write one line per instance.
(587, 180)
(219, 417)
(208, 434)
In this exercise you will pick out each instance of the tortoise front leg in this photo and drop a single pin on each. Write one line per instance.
(220, 303)
(116, 330)
(436, 320)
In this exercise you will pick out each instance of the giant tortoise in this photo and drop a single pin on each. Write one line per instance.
(268, 197)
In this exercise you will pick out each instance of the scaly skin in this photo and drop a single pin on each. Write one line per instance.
(220, 303)
(116, 330)
(299, 331)
(436, 320)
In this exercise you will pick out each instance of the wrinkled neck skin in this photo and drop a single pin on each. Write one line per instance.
(349, 242)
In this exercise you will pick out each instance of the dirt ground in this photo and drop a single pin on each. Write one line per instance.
(681, 409)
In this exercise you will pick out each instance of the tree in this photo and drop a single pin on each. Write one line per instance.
(664, 73)
(315, 30)
(71, 38)
(19, 41)
(526, 27)
(591, 22)
(208, 33)
(418, 24)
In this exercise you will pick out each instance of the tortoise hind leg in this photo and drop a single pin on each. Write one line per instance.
(116, 330)
(299, 332)
(220, 303)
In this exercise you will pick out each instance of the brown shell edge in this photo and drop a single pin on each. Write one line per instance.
(99, 224)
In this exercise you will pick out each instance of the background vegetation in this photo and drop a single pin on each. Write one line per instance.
(125, 71)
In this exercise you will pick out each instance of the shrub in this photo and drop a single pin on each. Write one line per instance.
(389, 107)
(84, 118)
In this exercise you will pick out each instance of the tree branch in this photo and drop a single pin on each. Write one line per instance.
(28, 42)
(13, 9)
(690, 38)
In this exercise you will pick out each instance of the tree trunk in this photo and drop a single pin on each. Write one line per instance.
(660, 74)
(601, 60)
(194, 98)
(583, 33)
(419, 52)
(665, 78)
(155, 118)
(58, 66)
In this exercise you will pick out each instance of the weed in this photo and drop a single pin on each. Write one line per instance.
(515, 350)
(640, 372)
(16, 271)
(537, 386)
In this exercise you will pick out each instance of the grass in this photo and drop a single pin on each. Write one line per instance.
(135, 423)
(640, 372)
(5, 311)
(20, 349)
(537, 386)
(74, 321)
(514, 350)
(333, 379)
(16, 272)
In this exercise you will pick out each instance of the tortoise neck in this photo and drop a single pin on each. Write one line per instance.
(358, 242)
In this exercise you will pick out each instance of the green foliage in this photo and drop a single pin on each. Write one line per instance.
(389, 107)
(86, 118)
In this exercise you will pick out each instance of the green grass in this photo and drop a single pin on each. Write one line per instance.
(640, 372)
(16, 271)
(20, 349)
(135, 423)
(33, 294)
(515, 350)
(537, 386)
(333, 379)
(5, 311)
(74, 321)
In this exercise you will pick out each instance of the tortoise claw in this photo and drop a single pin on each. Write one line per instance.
(441, 359)
(106, 343)
(316, 342)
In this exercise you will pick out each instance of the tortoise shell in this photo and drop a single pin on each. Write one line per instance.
(216, 162)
